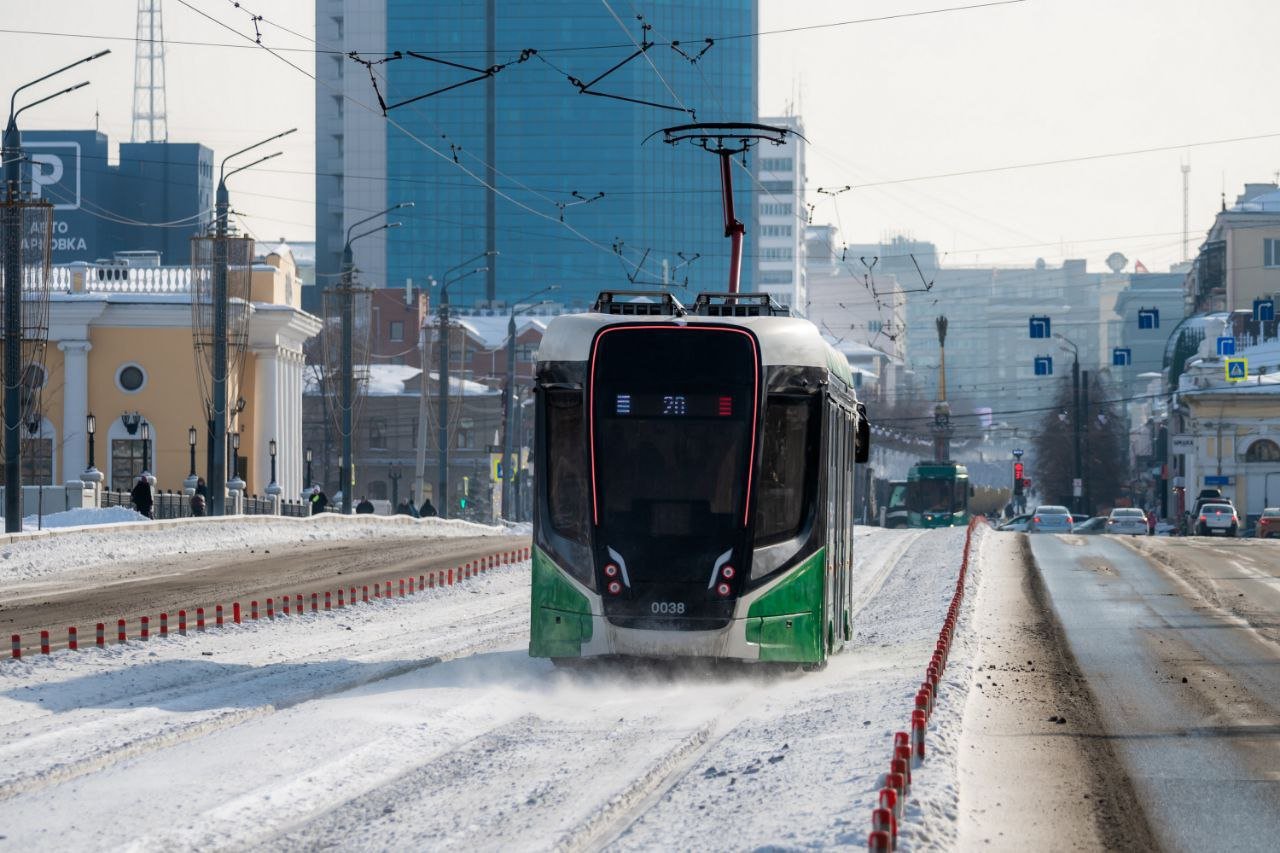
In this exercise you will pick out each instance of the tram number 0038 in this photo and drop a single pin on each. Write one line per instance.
(667, 608)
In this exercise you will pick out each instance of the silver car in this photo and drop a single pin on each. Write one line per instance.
(1050, 519)
(1217, 518)
(1131, 521)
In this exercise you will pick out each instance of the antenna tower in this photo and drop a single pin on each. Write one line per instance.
(149, 122)
(1186, 211)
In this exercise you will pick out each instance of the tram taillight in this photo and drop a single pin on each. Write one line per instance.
(728, 572)
(611, 570)
(614, 588)
(723, 590)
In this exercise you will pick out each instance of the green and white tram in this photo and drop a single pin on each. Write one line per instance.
(694, 483)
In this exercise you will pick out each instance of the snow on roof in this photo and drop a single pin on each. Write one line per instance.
(394, 380)
(492, 331)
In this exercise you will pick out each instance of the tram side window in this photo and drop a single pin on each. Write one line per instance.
(782, 489)
(566, 465)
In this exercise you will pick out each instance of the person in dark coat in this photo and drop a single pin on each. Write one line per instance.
(319, 500)
(141, 496)
(201, 489)
(365, 507)
(427, 510)
(404, 508)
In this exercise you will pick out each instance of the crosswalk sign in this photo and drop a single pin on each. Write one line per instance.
(1237, 369)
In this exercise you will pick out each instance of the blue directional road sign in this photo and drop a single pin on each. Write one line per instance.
(1237, 369)
(1121, 357)
(1226, 345)
(1264, 310)
(1040, 327)
(1148, 318)
(1044, 365)
(1017, 451)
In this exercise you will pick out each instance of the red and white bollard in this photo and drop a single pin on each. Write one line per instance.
(340, 595)
(253, 610)
(199, 618)
(182, 622)
(919, 721)
(352, 599)
(297, 607)
(271, 608)
(72, 642)
(364, 594)
(431, 581)
(235, 612)
(164, 624)
(411, 584)
(120, 631)
(328, 601)
(402, 587)
(315, 602)
(217, 615)
(451, 577)
(16, 639)
(44, 642)
(145, 632)
(900, 767)
(888, 799)
(388, 593)
(101, 638)
(422, 582)
(883, 821)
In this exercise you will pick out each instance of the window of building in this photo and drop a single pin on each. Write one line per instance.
(126, 463)
(378, 433)
(776, 164)
(1271, 253)
(1263, 450)
(775, 276)
(777, 186)
(777, 254)
(775, 231)
(131, 378)
(395, 330)
(774, 208)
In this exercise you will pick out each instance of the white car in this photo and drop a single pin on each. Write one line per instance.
(1217, 518)
(1127, 520)
(1050, 519)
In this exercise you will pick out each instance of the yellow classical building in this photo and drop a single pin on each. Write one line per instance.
(121, 342)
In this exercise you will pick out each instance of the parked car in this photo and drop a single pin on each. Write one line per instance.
(1017, 524)
(1128, 520)
(1217, 518)
(1050, 519)
(1091, 526)
(1269, 523)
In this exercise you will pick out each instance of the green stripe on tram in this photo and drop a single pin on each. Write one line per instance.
(560, 617)
(786, 622)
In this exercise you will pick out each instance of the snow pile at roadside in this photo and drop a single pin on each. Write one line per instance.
(39, 555)
(82, 517)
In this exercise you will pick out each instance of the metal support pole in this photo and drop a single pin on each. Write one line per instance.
(1084, 438)
(347, 379)
(733, 229)
(508, 420)
(12, 227)
(218, 372)
(442, 429)
(1075, 406)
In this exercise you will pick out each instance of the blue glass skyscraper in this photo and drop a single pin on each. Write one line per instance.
(580, 202)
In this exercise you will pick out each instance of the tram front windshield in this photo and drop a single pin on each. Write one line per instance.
(673, 413)
(935, 495)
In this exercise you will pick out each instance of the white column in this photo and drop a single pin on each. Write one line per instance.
(269, 402)
(295, 424)
(75, 407)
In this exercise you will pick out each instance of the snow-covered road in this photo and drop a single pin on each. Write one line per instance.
(421, 723)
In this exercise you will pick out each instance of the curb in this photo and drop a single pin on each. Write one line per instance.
(407, 587)
(909, 749)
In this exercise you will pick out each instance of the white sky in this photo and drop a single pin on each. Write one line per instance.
(1039, 80)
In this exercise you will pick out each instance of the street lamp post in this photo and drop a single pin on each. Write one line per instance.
(191, 444)
(306, 457)
(1075, 417)
(442, 428)
(90, 427)
(10, 233)
(235, 456)
(271, 448)
(508, 412)
(218, 369)
(347, 380)
(146, 447)
(394, 476)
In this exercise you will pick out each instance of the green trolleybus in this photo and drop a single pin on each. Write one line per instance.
(695, 478)
(938, 495)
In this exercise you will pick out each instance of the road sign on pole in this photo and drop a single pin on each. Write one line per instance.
(1237, 369)
(1017, 451)
(1044, 365)
(1226, 345)
(1121, 357)
(1077, 487)
(1040, 327)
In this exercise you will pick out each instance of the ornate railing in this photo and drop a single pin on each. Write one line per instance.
(112, 278)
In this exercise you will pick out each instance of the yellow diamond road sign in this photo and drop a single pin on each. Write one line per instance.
(1237, 369)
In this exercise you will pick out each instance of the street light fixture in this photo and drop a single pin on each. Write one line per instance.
(508, 413)
(442, 475)
(347, 369)
(235, 455)
(146, 447)
(271, 448)
(90, 427)
(191, 443)
(306, 457)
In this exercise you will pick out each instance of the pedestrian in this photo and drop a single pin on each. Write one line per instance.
(319, 500)
(404, 508)
(141, 496)
(365, 507)
(201, 489)
(427, 510)
(198, 505)
(1151, 522)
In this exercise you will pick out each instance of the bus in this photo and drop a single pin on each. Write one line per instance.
(938, 494)
(694, 491)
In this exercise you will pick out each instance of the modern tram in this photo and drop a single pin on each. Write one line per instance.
(694, 483)
(938, 494)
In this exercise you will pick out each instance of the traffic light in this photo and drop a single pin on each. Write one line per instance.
(1017, 470)
(466, 493)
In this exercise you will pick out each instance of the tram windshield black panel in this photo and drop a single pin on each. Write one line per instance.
(782, 496)
(568, 491)
(673, 412)
(936, 495)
